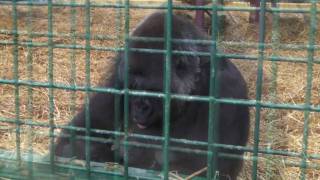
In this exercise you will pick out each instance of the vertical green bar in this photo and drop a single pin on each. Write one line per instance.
(119, 19)
(73, 70)
(30, 92)
(16, 79)
(272, 116)
(259, 88)
(275, 46)
(167, 82)
(88, 85)
(311, 53)
(72, 80)
(126, 86)
(213, 92)
(117, 124)
(50, 79)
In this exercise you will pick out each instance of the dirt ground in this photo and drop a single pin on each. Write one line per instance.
(279, 129)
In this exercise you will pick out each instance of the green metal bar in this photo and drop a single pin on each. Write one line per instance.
(311, 54)
(159, 138)
(88, 86)
(72, 79)
(100, 171)
(60, 34)
(231, 56)
(258, 103)
(117, 123)
(66, 169)
(179, 7)
(299, 47)
(259, 81)
(272, 114)
(126, 87)
(166, 90)
(30, 92)
(300, 107)
(50, 84)
(15, 69)
(213, 123)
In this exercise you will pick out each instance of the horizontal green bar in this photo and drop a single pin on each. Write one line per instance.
(69, 168)
(65, 168)
(102, 48)
(153, 39)
(301, 107)
(63, 46)
(57, 35)
(161, 6)
(308, 165)
(269, 58)
(289, 10)
(155, 138)
(40, 164)
(299, 47)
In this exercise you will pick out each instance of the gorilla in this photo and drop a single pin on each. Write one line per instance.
(190, 75)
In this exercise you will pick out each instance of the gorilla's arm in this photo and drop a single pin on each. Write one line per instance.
(102, 116)
(100, 109)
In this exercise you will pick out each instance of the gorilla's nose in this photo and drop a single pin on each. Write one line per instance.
(146, 108)
(142, 108)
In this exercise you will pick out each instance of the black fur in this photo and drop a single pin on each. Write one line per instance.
(188, 119)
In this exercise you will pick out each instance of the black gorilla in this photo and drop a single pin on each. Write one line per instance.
(188, 119)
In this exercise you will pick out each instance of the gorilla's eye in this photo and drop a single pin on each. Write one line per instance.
(180, 66)
(136, 81)
(136, 72)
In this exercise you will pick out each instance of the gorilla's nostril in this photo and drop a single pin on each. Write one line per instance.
(135, 119)
(145, 107)
(147, 110)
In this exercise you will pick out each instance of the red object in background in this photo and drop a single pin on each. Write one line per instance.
(199, 19)
(254, 16)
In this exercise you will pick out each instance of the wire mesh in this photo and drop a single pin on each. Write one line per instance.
(16, 163)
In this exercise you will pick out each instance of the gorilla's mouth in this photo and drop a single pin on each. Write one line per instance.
(141, 126)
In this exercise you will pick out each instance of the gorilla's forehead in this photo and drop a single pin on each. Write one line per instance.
(149, 83)
(146, 64)
(145, 73)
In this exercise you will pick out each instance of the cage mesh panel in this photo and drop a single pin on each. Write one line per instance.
(213, 108)
(48, 167)
(126, 89)
(312, 34)
(261, 49)
(30, 93)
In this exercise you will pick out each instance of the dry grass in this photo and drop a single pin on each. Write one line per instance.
(280, 129)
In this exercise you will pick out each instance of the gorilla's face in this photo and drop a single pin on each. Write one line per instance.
(146, 72)
(145, 111)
